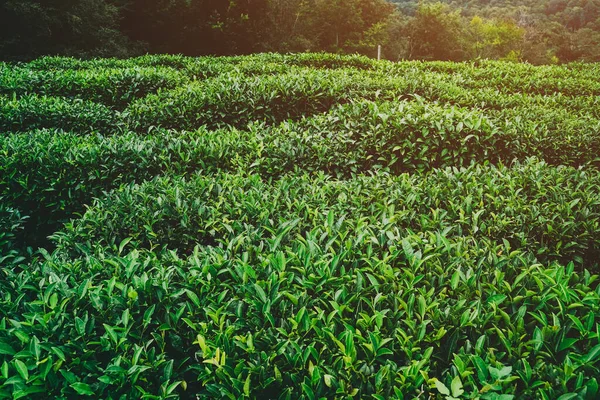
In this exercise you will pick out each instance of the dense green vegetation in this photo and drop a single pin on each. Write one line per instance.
(308, 226)
(537, 31)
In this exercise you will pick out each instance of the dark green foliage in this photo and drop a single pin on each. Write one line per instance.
(11, 222)
(51, 175)
(67, 63)
(113, 87)
(551, 212)
(31, 112)
(327, 306)
(32, 28)
(402, 136)
(540, 32)
(408, 136)
(298, 227)
(237, 99)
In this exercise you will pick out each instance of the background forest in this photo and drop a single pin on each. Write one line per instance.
(548, 31)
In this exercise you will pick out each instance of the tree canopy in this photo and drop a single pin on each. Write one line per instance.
(547, 31)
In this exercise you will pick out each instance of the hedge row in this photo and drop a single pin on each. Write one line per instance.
(361, 294)
(112, 87)
(551, 212)
(237, 99)
(30, 112)
(414, 136)
(50, 175)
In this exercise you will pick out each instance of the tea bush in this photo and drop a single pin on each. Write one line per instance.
(419, 136)
(11, 222)
(237, 99)
(32, 112)
(70, 63)
(402, 136)
(345, 309)
(299, 227)
(52, 175)
(113, 87)
(552, 212)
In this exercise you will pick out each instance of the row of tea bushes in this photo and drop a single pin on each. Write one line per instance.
(57, 63)
(547, 79)
(30, 112)
(508, 77)
(112, 87)
(242, 91)
(551, 212)
(557, 135)
(233, 264)
(492, 99)
(403, 136)
(237, 99)
(416, 136)
(419, 136)
(118, 82)
(264, 99)
(342, 309)
(51, 175)
(313, 60)
(570, 80)
(523, 78)
(268, 94)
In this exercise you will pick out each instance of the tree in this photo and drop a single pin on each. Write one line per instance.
(197, 27)
(494, 39)
(375, 17)
(436, 33)
(30, 28)
(335, 22)
(331, 25)
(287, 22)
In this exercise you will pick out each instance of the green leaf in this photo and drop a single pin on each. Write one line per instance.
(193, 297)
(567, 343)
(308, 392)
(422, 305)
(247, 386)
(59, 353)
(457, 387)
(568, 396)
(538, 339)
(80, 325)
(443, 389)
(4, 370)
(455, 280)
(171, 388)
(22, 369)
(82, 388)
(261, 293)
(496, 299)
(124, 243)
(21, 393)
(505, 371)
(34, 346)
(592, 388)
(6, 349)
(593, 354)
(111, 333)
(408, 249)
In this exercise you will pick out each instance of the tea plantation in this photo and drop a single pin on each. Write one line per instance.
(299, 227)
